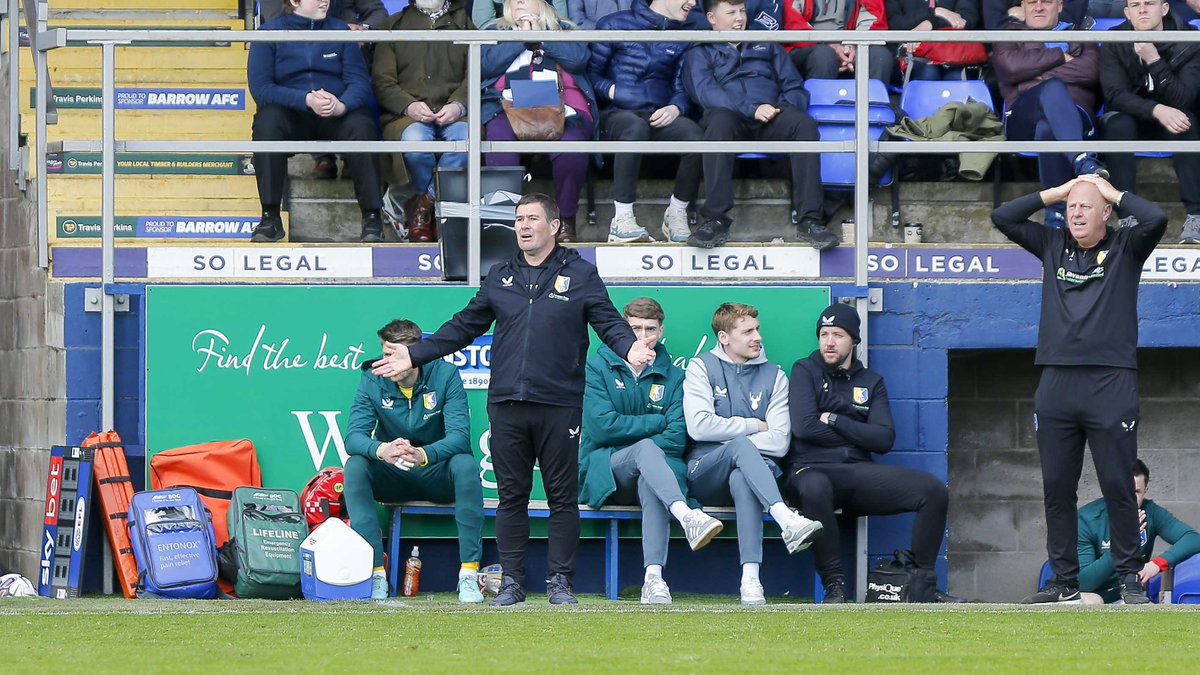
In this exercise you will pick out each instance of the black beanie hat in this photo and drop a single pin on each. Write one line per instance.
(841, 316)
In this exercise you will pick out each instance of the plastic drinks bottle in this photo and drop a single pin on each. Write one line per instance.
(412, 575)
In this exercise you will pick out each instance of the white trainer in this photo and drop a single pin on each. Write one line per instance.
(625, 230)
(655, 592)
(798, 532)
(675, 226)
(700, 528)
(1191, 230)
(752, 593)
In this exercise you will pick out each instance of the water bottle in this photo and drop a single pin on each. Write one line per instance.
(412, 575)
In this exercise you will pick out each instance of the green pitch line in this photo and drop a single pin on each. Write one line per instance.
(435, 634)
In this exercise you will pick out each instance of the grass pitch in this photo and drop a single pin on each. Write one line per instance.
(436, 634)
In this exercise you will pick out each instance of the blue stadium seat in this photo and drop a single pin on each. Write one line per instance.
(837, 168)
(394, 6)
(1195, 23)
(922, 98)
(1187, 580)
(1106, 24)
(832, 101)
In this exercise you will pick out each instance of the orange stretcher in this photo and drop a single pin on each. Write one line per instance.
(115, 488)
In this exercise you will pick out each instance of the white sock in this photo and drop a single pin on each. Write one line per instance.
(679, 509)
(653, 571)
(623, 209)
(676, 205)
(467, 573)
(749, 572)
(781, 513)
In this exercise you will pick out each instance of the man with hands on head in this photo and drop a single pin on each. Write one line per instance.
(542, 303)
(408, 437)
(1087, 348)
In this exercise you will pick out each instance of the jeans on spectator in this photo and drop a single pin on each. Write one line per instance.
(569, 169)
(723, 124)
(634, 125)
(455, 480)
(735, 472)
(1048, 113)
(643, 477)
(421, 164)
(1122, 167)
(820, 62)
(924, 70)
(277, 123)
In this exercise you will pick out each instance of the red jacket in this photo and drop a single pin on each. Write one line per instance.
(1023, 65)
(799, 20)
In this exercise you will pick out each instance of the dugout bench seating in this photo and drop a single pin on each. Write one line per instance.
(612, 542)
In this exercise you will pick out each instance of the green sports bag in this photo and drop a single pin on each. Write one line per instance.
(262, 558)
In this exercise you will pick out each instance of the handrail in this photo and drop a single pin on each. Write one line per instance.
(12, 11)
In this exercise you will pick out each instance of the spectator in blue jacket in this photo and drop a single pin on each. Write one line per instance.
(565, 62)
(585, 13)
(641, 82)
(751, 91)
(311, 91)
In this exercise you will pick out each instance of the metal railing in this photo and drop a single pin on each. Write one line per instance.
(44, 40)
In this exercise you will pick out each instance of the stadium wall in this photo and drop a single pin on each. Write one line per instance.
(32, 380)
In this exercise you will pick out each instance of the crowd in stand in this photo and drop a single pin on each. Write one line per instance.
(676, 91)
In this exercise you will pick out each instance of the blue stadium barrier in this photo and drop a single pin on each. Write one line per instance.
(1187, 579)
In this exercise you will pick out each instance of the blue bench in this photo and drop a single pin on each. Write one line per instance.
(612, 514)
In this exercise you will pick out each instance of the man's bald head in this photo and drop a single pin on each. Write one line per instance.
(1087, 213)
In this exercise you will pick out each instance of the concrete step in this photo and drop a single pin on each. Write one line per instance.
(142, 5)
(85, 62)
(137, 189)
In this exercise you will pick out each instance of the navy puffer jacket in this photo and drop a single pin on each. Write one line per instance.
(647, 74)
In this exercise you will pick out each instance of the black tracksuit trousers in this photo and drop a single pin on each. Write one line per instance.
(522, 433)
(1097, 405)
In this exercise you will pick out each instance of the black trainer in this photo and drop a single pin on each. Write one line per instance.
(1055, 592)
(1088, 162)
(821, 237)
(372, 228)
(835, 592)
(943, 596)
(510, 594)
(558, 589)
(1132, 592)
(269, 229)
(710, 234)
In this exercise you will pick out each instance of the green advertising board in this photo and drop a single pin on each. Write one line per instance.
(279, 365)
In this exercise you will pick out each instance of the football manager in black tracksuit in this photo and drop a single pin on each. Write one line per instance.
(1087, 347)
(840, 417)
(542, 302)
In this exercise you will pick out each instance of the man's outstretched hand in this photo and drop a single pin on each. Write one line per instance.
(641, 353)
(394, 363)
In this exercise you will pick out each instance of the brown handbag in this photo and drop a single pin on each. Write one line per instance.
(539, 123)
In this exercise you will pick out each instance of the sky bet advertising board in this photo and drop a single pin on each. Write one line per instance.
(279, 365)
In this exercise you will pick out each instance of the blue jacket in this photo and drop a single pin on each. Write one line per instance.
(585, 13)
(648, 75)
(283, 73)
(540, 342)
(495, 60)
(764, 15)
(742, 77)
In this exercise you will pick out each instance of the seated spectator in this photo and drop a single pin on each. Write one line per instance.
(634, 438)
(998, 14)
(358, 15)
(840, 417)
(483, 11)
(1098, 582)
(827, 61)
(585, 13)
(311, 91)
(920, 15)
(642, 86)
(564, 62)
(1150, 90)
(736, 405)
(1050, 92)
(751, 91)
(422, 92)
(409, 437)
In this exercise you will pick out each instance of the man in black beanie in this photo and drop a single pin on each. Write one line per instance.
(840, 417)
